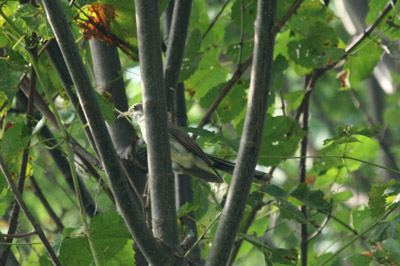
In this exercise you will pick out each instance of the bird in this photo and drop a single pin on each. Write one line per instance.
(186, 156)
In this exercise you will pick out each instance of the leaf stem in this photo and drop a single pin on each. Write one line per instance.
(203, 234)
(391, 209)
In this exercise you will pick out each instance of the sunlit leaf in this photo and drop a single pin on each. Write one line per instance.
(361, 64)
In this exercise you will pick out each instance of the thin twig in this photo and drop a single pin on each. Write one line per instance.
(203, 234)
(98, 178)
(346, 225)
(302, 170)
(359, 105)
(28, 214)
(277, 28)
(225, 91)
(242, 12)
(24, 161)
(371, 28)
(321, 227)
(215, 19)
(17, 235)
(242, 68)
(46, 205)
(383, 217)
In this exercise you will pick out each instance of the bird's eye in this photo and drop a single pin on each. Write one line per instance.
(135, 108)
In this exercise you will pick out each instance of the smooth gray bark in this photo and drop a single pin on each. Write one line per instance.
(250, 142)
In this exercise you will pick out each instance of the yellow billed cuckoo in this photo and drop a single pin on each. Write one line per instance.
(187, 157)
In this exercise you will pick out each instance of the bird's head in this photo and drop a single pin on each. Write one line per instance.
(135, 112)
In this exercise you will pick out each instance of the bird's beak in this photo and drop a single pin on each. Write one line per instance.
(124, 114)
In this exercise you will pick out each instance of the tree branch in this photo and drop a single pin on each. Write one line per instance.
(249, 221)
(176, 47)
(183, 183)
(155, 114)
(250, 142)
(87, 98)
(108, 79)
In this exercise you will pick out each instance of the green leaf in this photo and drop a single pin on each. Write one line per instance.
(276, 191)
(322, 37)
(375, 9)
(209, 74)
(294, 99)
(233, 41)
(392, 248)
(110, 236)
(331, 167)
(192, 55)
(12, 68)
(45, 260)
(14, 140)
(280, 139)
(377, 202)
(200, 197)
(344, 216)
(109, 233)
(385, 230)
(309, 14)
(126, 256)
(392, 190)
(198, 131)
(273, 255)
(359, 259)
(249, 16)
(362, 63)
(255, 199)
(186, 208)
(391, 117)
(282, 8)
(235, 102)
(359, 215)
(34, 20)
(106, 109)
(312, 198)
(71, 255)
(278, 72)
(289, 211)
(301, 53)
(343, 196)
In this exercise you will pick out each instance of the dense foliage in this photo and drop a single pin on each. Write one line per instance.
(330, 140)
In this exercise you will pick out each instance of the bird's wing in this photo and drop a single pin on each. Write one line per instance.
(202, 174)
(190, 144)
